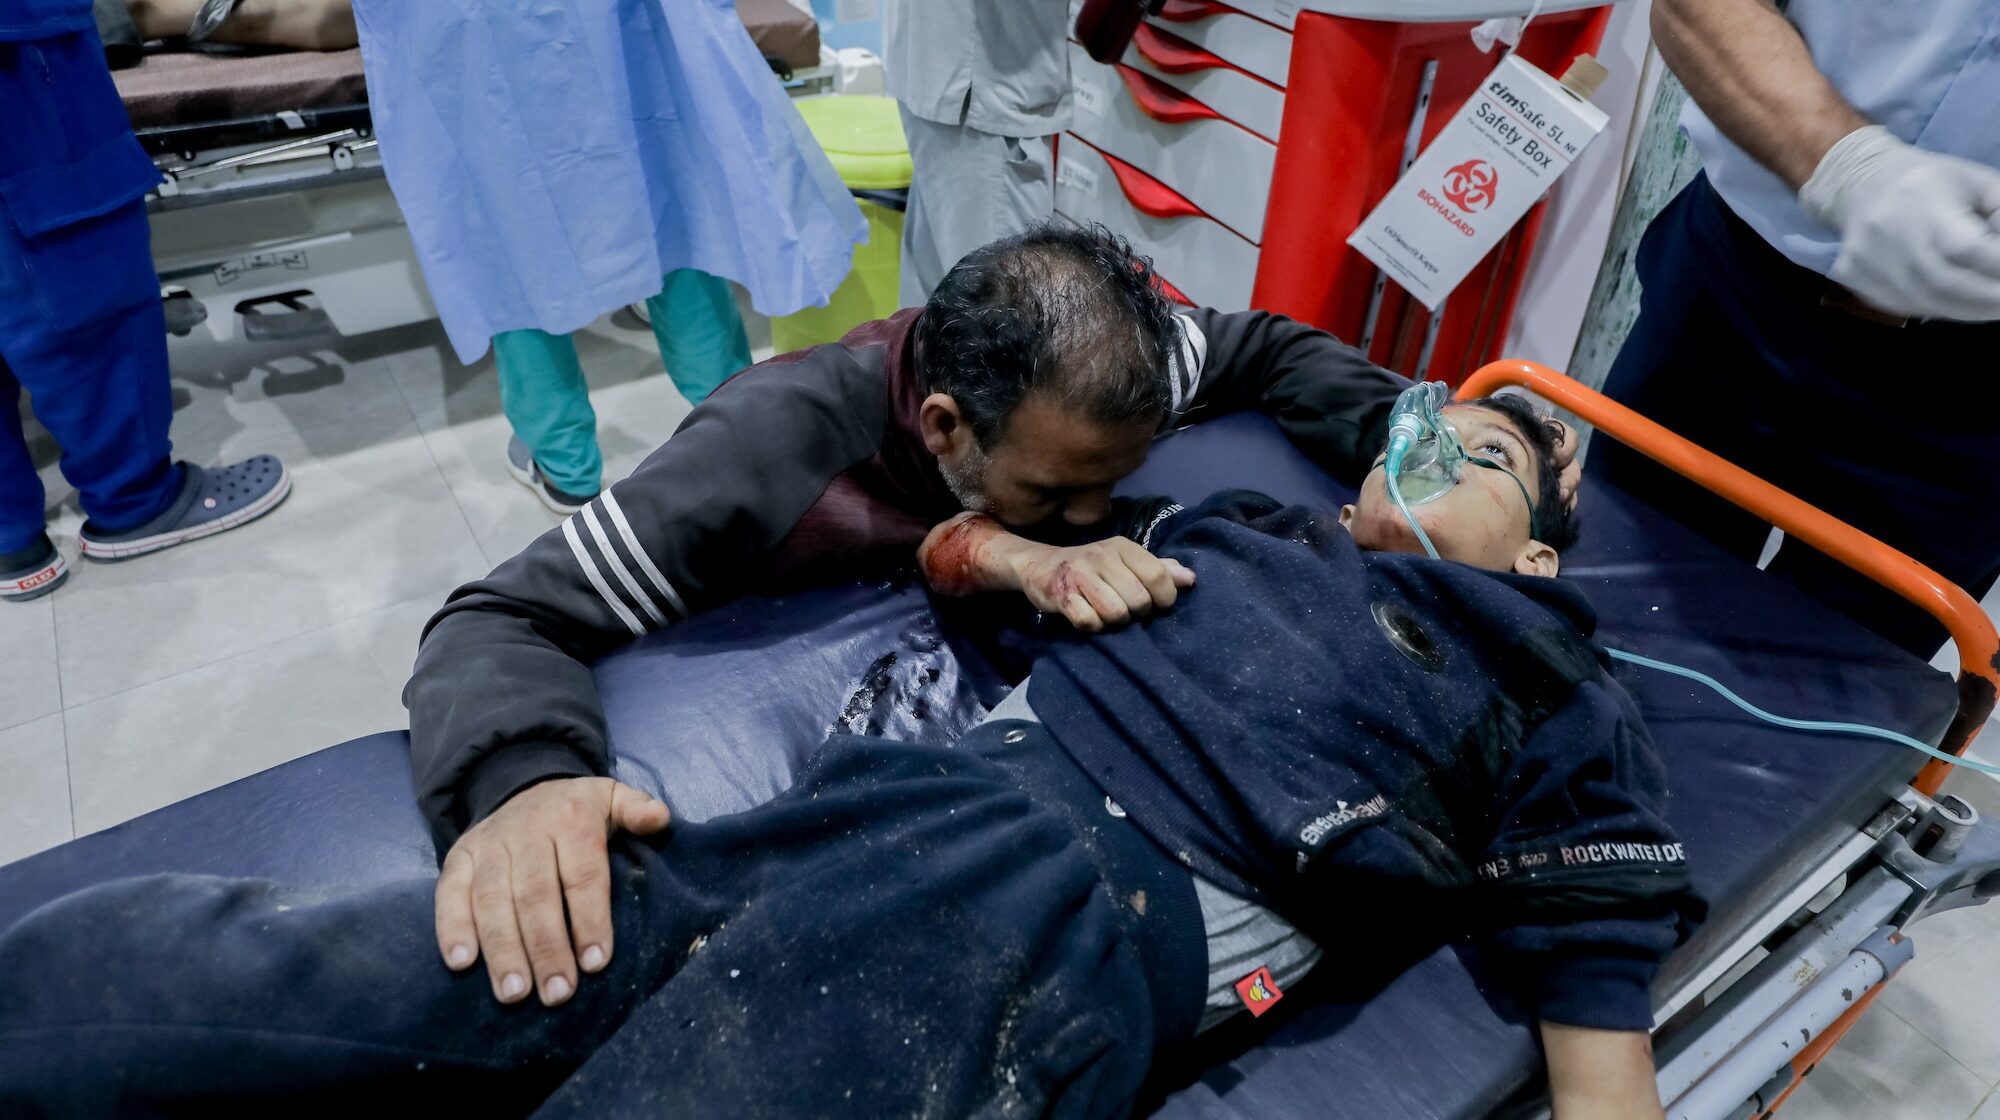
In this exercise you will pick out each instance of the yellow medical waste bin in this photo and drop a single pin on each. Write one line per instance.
(863, 136)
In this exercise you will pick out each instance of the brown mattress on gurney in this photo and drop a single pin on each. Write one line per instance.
(179, 87)
(781, 31)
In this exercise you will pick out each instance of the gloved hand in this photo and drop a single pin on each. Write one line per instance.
(1920, 232)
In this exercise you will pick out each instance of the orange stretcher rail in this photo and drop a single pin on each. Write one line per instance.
(1973, 633)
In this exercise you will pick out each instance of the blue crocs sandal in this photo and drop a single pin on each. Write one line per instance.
(521, 464)
(32, 572)
(211, 501)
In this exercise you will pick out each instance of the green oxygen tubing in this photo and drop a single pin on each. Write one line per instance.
(1426, 459)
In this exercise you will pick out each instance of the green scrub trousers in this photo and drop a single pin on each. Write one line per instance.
(543, 393)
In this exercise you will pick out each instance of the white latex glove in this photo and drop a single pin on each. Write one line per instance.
(1919, 231)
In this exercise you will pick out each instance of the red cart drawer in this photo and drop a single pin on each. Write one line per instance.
(1203, 75)
(1197, 254)
(1249, 44)
(1222, 167)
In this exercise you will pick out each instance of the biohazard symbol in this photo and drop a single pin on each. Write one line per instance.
(1471, 185)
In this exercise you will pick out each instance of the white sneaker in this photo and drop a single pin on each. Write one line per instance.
(521, 464)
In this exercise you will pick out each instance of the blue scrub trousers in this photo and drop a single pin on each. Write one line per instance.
(1893, 429)
(542, 388)
(81, 328)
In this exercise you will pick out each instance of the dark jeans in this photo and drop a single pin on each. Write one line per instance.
(1895, 430)
(901, 933)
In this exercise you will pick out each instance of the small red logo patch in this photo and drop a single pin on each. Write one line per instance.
(1258, 991)
(36, 580)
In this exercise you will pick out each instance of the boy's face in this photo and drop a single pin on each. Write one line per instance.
(1483, 521)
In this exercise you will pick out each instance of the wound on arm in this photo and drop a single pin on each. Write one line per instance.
(952, 556)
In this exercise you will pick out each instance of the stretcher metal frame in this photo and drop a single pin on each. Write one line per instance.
(281, 225)
(1738, 1037)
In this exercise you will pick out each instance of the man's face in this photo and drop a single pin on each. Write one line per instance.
(1047, 463)
(1483, 521)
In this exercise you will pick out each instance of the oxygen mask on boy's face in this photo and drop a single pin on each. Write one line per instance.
(1425, 454)
(1426, 457)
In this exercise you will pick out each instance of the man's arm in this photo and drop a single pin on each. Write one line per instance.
(1919, 231)
(502, 695)
(1747, 68)
(1103, 584)
(1601, 1075)
(507, 733)
(1331, 401)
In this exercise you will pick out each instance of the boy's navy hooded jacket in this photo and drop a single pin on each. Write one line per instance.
(1371, 743)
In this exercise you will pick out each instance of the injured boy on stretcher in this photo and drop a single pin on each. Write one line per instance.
(1329, 744)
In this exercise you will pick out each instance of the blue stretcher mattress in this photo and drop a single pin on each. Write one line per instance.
(718, 713)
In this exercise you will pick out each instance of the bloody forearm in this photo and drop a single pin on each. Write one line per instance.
(967, 555)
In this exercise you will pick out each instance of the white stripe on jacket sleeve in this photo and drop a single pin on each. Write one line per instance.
(1185, 376)
(646, 564)
(596, 578)
(617, 565)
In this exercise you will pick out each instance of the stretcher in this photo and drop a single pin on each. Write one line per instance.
(1820, 855)
(273, 219)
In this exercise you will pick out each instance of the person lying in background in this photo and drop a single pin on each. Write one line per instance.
(1168, 825)
(306, 25)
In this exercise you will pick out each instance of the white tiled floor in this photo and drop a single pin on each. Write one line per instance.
(142, 683)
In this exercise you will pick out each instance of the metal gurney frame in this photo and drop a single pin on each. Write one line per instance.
(1742, 1050)
(277, 223)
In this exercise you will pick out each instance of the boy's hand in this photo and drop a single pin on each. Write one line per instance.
(1105, 583)
(1569, 472)
(1601, 1075)
(507, 881)
(1101, 585)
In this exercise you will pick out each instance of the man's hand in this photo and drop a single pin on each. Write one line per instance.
(1098, 586)
(507, 881)
(1105, 583)
(1919, 231)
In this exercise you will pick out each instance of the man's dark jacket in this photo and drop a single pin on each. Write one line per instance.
(805, 469)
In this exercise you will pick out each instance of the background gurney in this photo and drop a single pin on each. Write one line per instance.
(181, 88)
(273, 219)
(1762, 811)
(262, 94)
